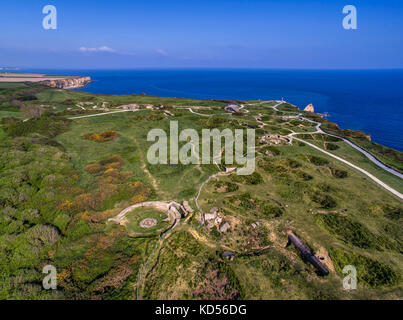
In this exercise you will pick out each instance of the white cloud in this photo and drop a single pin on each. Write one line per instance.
(161, 52)
(100, 49)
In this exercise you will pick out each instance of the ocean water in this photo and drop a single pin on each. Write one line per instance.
(366, 100)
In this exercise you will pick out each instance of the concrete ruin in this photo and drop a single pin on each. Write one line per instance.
(187, 207)
(225, 227)
(306, 253)
(232, 108)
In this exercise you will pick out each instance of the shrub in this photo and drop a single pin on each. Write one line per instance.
(101, 137)
(46, 126)
(252, 179)
(369, 271)
(61, 221)
(341, 174)
(93, 168)
(326, 201)
(111, 159)
(271, 210)
(331, 146)
(393, 213)
(317, 161)
(349, 231)
(290, 163)
(43, 235)
(303, 175)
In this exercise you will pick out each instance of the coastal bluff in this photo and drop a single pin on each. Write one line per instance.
(309, 108)
(68, 83)
(61, 82)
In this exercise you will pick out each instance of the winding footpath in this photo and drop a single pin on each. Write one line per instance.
(356, 147)
(100, 114)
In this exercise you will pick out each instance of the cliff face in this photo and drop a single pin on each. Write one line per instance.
(309, 108)
(68, 83)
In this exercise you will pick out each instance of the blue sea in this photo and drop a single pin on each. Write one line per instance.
(366, 100)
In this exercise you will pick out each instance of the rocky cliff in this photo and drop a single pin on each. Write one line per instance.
(309, 108)
(68, 83)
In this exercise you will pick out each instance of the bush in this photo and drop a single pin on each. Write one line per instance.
(369, 271)
(331, 146)
(46, 126)
(318, 161)
(271, 210)
(349, 231)
(393, 213)
(326, 201)
(40, 235)
(341, 174)
(101, 137)
(252, 179)
(93, 168)
(303, 175)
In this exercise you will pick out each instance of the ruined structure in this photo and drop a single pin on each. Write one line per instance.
(306, 253)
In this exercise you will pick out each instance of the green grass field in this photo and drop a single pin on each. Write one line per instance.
(136, 216)
(60, 182)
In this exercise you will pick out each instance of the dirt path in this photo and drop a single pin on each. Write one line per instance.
(99, 114)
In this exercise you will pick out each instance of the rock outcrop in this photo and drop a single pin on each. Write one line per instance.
(68, 83)
(309, 108)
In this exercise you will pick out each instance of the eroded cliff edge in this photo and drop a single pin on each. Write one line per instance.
(68, 83)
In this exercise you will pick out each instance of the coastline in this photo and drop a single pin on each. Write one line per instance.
(61, 82)
(347, 96)
(78, 82)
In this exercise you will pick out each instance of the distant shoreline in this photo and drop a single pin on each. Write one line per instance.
(62, 82)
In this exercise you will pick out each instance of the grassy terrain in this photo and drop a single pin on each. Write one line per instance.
(390, 157)
(136, 216)
(347, 152)
(61, 180)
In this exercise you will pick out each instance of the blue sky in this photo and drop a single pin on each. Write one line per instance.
(201, 34)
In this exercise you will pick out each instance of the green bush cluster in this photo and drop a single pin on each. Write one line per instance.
(369, 271)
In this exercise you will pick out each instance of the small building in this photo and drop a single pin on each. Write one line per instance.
(130, 106)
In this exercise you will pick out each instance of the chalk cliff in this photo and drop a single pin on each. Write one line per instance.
(68, 83)
(309, 108)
